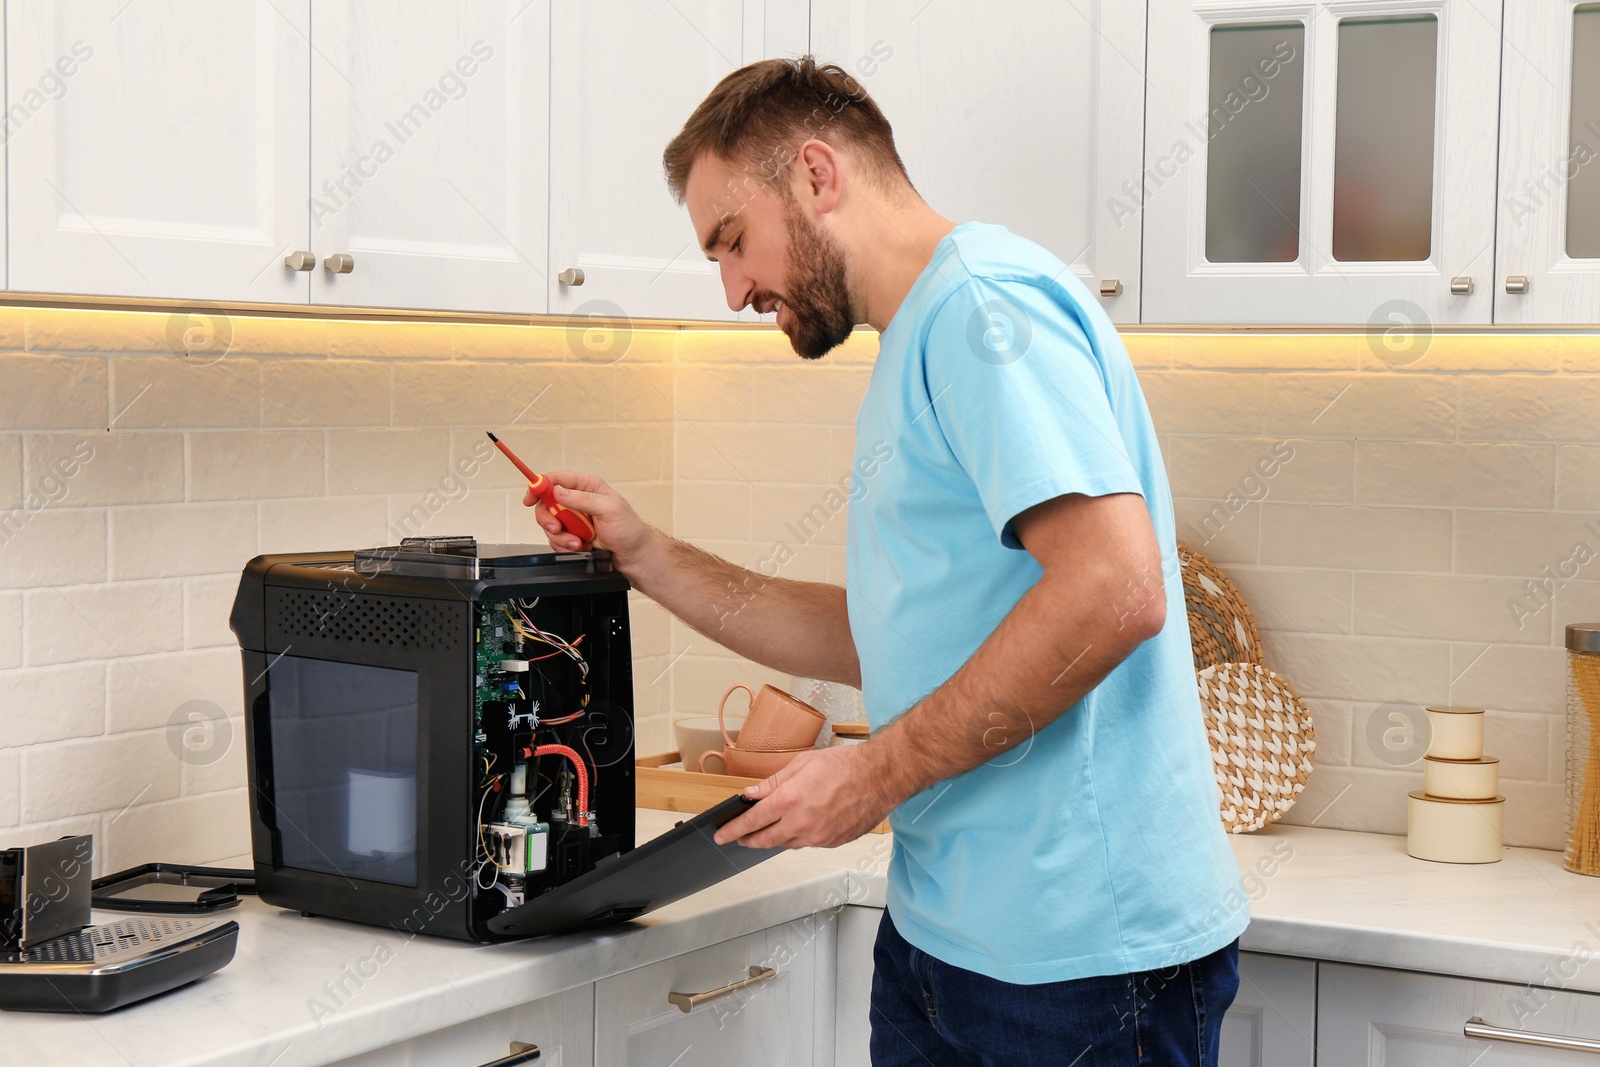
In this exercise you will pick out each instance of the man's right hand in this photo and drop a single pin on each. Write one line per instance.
(617, 526)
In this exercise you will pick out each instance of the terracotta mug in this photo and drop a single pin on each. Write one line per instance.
(774, 722)
(756, 763)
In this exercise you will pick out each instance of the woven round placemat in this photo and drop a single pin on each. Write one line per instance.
(1261, 742)
(1221, 628)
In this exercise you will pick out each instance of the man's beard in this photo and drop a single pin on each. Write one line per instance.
(819, 297)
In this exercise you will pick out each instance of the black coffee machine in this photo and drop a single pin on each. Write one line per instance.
(439, 732)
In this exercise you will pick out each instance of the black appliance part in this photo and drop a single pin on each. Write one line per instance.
(173, 889)
(104, 967)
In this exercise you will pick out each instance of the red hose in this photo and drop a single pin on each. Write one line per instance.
(582, 772)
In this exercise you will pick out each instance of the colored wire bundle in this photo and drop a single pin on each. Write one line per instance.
(529, 632)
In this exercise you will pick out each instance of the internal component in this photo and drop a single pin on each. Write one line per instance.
(537, 770)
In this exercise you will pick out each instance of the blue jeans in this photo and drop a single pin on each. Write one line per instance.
(929, 1014)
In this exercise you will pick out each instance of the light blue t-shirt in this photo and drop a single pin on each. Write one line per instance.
(1094, 846)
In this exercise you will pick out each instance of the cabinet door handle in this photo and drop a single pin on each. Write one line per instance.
(686, 1002)
(1110, 287)
(1476, 1027)
(300, 260)
(1516, 284)
(340, 263)
(521, 1052)
(1461, 285)
(571, 276)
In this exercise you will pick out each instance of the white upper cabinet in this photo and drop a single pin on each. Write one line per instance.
(624, 77)
(158, 148)
(1027, 114)
(1549, 233)
(430, 154)
(1322, 163)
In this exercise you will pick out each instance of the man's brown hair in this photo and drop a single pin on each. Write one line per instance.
(760, 115)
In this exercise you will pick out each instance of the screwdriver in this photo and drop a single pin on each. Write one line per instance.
(573, 521)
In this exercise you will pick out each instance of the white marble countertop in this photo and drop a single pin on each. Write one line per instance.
(1327, 894)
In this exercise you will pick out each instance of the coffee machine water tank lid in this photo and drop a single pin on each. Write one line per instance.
(457, 555)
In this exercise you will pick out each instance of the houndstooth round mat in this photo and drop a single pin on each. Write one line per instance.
(1261, 742)
(1221, 628)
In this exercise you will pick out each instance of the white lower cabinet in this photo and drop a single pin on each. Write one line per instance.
(560, 1026)
(1273, 1019)
(738, 1013)
(1373, 1016)
(852, 996)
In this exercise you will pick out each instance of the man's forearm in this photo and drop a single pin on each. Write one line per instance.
(800, 628)
(1044, 657)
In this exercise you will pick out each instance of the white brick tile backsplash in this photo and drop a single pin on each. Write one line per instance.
(52, 547)
(1521, 742)
(173, 540)
(207, 603)
(1205, 401)
(387, 461)
(204, 829)
(10, 787)
(1331, 719)
(1295, 599)
(10, 471)
(1535, 814)
(1361, 405)
(711, 509)
(170, 392)
(561, 393)
(1521, 544)
(107, 468)
(1262, 468)
(217, 762)
(76, 387)
(715, 392)
(322, 523)
(1369, 538)
(1383, 521)
(98, 774)
(617, 453)
(252, 464)
(1355, 798)
(1509, 677)
(1578, 478)
(644, 392)
(143, 692)
(1455, 474)
(481, 513)
(1374, 669)
(451, 394)
(322, 392)
(10, 630)
(95, 622)
(756, 452)
(1222, 530)
(51, 703)
(1440, 606)
(1528, 407)
(810, 393)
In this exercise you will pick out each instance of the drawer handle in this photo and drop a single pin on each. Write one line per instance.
(1481, 1030)
(686, 1002)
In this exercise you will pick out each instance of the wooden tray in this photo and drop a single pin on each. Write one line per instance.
(689, 792)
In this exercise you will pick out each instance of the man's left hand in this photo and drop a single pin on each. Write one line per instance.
(822, 798)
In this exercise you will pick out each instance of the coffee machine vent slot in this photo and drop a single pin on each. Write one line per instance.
(360, 619)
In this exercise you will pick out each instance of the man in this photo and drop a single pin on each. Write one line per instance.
(1061, 890)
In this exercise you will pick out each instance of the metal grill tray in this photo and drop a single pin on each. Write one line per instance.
(103, 967)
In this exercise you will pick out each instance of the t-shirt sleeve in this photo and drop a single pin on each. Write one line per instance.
(1021, 399)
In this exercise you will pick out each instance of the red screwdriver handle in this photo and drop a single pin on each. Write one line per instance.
(572, 520)
(575, 522)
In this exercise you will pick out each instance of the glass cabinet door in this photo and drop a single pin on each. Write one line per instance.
(1548, 263)
(1317, 162)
